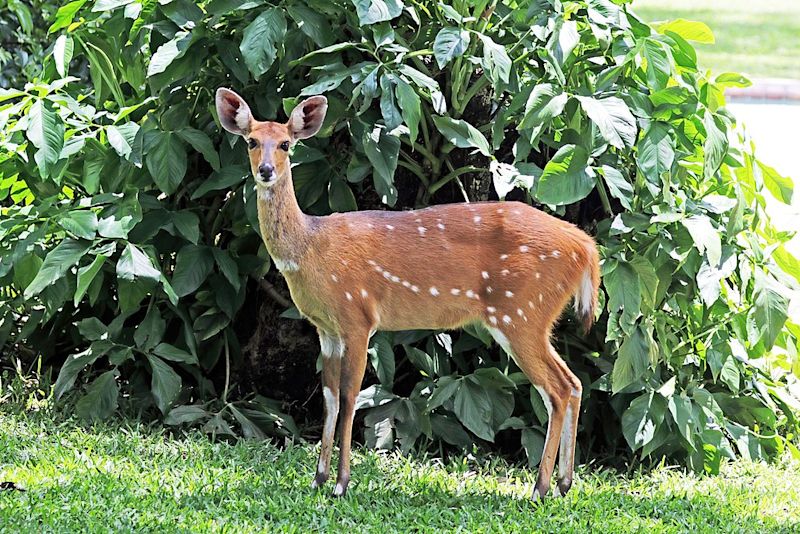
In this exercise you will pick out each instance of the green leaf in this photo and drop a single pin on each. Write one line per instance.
(109, 5)
(566, 178)
(69, 371)
(391, 115)
(732, 79)
(169, 52)
(133, 264)
(185, 414)
(172, 353)
(25, 270)
(187, 225)
(92, 329)
(227, 266)
(544, 103)
(787, 262)
(410, 106)
(770, 311)
(642, 418)
(65, 14)
(340, 196)
(62, 53)
(716, 144)
(166, 161)
(533, 442)
(781, 187)
(656, 152)
(474, 409)
(613, 118)
(449, 43)
(151, 330)
(85, 277)
(372, 11)
(192, 267)
(382, 151)
(659, 68)
(632, 360)
(46, 132)
(165, 383)
(688, 29)
(622, 286)
(202, 143)
(58, 261)
(225, 178)
(706, 238)
(381, 356)
(462, 134)
(80, 223)
(260, 39)
(681, 410)
(496, 63)
(618, 186)
(125, 141)
(100, 400)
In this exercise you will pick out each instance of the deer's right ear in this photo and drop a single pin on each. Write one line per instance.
(234, 114)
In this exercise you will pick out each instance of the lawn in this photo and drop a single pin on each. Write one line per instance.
(760, 39)
(124, 477)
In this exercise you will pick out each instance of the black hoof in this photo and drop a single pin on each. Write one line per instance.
(564, 486)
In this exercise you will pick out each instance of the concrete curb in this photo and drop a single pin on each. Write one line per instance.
(771, 89)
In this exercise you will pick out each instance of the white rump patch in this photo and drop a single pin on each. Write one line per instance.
(585, 296)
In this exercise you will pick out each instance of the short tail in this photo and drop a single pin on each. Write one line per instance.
(586, 294)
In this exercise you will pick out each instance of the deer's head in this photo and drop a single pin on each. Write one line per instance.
(269, 142)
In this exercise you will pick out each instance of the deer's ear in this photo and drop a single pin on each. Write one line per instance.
(307, 117)
(233, 112)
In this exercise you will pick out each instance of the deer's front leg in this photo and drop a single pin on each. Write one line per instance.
(354, 364)
(332, 349)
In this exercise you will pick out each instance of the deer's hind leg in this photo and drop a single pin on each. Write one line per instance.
(531, 350)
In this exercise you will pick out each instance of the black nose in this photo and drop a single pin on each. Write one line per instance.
(266, 170)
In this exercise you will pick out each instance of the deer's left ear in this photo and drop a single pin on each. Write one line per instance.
(307, 117)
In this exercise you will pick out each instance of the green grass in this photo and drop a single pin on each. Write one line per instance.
(132, 477)
(760, 39)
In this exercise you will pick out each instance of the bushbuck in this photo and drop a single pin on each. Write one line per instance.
(506, 265)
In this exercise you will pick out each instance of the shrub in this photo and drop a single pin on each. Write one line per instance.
(129, 230)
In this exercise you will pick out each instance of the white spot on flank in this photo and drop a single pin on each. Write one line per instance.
(542, 257)
(530, 304)
(574, 256)
(395, 279)
(505, 272)
(348, 295)
(406, 283)
(507, 319)
(364, 293)
(440, 226)
(334, 278)
(491, 309)
(559, 286)
(434, 291)
(524, 248)
(471, 294)
(541, 298)
(379, 268)
(387, 274)
(477, 219)
(285, 266)
(417, 220)
(415, 289)
(509, 294)
(519, 312)
(390, 227)
(556, 253)
(489, 289)
(370, 225)
(493, 320)
(371, 262)
(485, 275)
(516, 212)
(538, 275)
(503, 257)
(422, 230)
(500, 210)
(455, 291)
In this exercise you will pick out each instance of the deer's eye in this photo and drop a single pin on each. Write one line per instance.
(285, 146)
(252, 143)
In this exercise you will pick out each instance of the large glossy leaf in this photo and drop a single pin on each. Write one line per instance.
(474, 409)
(566, 177)
(165, 383)
(373, 11)
(80, 223)
(462, 134)
(632, 360)
(656, 152)
(166, 161)
(260, 39)
(688, 29)
(624, 294)
(46, 132)
(382, 150)
(134, 263)
(641, 419)
(613, 118)
(449, 43)
(410, 106)
(545, 102)
(56, 264)
(100, 400)
(74, 364)
(169, 52)
(192, 267)
(62, 53)
(780, 186)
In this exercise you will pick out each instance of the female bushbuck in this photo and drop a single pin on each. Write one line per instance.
(504, 264)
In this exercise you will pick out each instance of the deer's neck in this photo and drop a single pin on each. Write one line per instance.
(284, 228)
